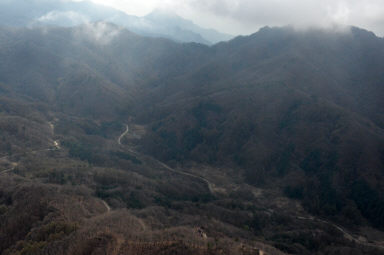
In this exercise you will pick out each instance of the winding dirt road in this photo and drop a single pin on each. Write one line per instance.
(106, 206)
(7, 170)
(209, 184)
(123, 134)
(345, 233)
(140, 221)
(56, 146)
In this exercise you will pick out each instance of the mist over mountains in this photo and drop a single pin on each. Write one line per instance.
(118, 143)
(159, 23)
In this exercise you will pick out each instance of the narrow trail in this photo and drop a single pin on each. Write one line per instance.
(140, 221)
(106, 206)
(142, 224)
(345, 233)
(56, 146)
(4, 157)
(208, 183)
(7, 170)
(123, 134)
(211, 189)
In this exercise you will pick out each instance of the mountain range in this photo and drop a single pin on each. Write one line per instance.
(159, 23)
(119, 143)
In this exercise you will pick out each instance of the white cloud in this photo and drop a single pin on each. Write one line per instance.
(68, 17)
(99, 32)
(136, 7)
(246, 16)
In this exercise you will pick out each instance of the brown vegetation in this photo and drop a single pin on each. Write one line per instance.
(263, 144)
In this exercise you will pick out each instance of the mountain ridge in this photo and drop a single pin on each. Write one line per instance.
(279, 136)
(171, 26)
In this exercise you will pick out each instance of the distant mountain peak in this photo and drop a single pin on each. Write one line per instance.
(168, 18)
(164, 13)
(159, 23)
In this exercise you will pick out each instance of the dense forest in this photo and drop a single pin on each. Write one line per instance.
(124, 144)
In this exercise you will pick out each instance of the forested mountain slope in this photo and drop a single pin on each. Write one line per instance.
(274, 139)
(306, 106)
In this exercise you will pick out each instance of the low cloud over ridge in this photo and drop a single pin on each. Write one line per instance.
(246, 16)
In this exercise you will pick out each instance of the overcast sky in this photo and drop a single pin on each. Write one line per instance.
(247, 16)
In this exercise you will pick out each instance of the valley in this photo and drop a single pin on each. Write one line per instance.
(271, 143)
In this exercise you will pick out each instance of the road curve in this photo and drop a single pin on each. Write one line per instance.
(345, 233)
(209, 185)
(123, 134)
